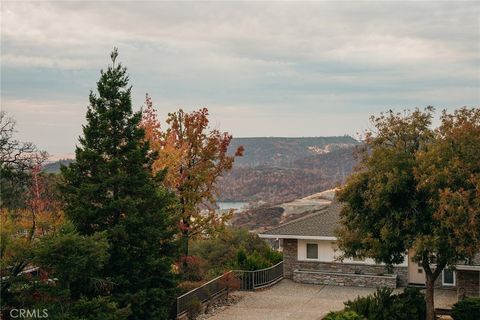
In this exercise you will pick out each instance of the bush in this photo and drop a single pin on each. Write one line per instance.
(409, 305)
(192, 268)
(222, 252)
(467, 309)
(194, 307)
(253, 261)
(343, 315)
(273, 256)
(231, 282)
(186, 286)
(97, 308)
(373, 307)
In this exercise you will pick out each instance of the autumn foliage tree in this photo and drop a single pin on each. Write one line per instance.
(416, 188)
(29, 207)
(192, 156)
(40, 216)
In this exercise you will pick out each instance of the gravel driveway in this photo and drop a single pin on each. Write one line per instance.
(295, 301)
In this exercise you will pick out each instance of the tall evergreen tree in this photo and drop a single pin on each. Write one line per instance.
(110, 188)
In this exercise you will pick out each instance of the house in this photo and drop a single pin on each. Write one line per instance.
(310, 255)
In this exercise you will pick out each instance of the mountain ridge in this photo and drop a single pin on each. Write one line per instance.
(280, 169)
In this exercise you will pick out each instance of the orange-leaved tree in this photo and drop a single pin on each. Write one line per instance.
(193, 156)
(40, 215)
(43, 213)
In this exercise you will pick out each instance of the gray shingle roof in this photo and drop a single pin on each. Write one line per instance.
(475, 261)
(322, 224)
(318, 224)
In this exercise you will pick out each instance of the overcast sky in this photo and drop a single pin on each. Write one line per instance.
(262, 69)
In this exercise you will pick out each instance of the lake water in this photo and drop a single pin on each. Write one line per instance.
(237, 206)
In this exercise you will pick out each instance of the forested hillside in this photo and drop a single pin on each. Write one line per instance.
(308, 175)
(54, 167)
(283, 152)
(276, 170)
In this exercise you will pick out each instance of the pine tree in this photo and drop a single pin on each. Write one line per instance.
(110, 188)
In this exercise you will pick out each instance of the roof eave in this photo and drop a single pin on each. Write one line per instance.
(289, 236)
(467, 267)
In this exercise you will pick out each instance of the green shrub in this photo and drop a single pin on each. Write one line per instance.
(97, 308)
(409, 305)
(234, 249)
(467, 309)
(253, 261)
(273, 256)
(373, 307)
(343, 315)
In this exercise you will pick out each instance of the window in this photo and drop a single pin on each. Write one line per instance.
(312, 251)
(448, 277)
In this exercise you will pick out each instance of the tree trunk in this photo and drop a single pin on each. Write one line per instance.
(430, 281)
(185, 250)
(185, 243)
(430, 277)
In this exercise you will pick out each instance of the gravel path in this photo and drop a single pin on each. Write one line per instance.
(288, 300)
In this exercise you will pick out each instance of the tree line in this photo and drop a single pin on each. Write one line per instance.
(110, 236)
(101, 239)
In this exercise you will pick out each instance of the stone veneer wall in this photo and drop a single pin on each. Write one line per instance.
(468, 283)
(290, 263)
(344, 279)
(290, 248)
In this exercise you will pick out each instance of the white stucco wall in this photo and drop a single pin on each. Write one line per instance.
(329, 252)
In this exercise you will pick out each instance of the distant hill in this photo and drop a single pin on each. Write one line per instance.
(276, 170)
(54, 167)
(283, 152)
(304, 176)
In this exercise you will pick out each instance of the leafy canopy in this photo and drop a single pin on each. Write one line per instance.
(416, 188)
(193, 157)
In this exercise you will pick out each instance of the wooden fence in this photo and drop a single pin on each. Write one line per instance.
(249, 280)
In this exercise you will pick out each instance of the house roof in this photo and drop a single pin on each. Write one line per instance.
(318, 225)
(321, 225)
(472, 264)
(476, 260)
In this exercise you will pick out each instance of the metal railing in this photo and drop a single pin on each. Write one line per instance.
(203, 293)
(249, 280)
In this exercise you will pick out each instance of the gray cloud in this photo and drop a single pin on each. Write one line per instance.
(270, 68)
